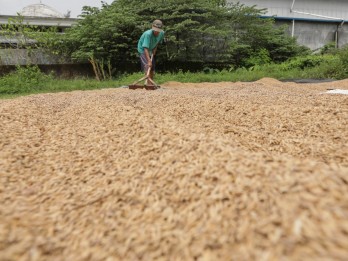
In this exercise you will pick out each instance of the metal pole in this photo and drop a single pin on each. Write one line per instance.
(292, 6)
(322, 16)
(336, 37)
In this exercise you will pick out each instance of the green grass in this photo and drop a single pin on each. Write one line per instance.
(30, 80)
(51, 85)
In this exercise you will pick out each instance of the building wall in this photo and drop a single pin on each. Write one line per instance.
(42, 21)
(25, 56)
(11, 54)
(315, 35)
(314, 23)
(282, 8)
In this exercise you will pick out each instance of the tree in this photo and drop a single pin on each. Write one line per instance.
(102, 37)
(257, 35)
(197, 31)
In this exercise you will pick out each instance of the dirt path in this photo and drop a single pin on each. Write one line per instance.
(224, 171)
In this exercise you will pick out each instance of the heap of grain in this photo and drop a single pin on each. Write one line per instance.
(226, 171)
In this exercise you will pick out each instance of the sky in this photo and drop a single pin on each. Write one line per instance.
(11, 7)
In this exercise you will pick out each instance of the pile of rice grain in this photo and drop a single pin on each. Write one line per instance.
(225, 171)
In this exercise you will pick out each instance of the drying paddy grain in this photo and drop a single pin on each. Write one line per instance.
(223, 171)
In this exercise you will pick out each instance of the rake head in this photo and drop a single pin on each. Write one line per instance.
(147, 87)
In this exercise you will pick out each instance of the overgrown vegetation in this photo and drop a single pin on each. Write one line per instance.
(198, 32)
(29, 79)
(229, 43)
(24, 80)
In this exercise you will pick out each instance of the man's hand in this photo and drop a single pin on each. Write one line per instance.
(149, 63)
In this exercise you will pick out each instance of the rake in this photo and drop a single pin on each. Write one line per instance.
(146, 79)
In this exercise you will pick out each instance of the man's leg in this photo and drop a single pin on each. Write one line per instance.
(143, 63)
(144, 66)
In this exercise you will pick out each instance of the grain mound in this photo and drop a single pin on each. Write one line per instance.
(225, 171)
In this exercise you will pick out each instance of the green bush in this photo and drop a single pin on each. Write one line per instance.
(329, 48)
(343, 56)
(25, 79)
(332, 66)
(262, 57)
(336, 67)
(306, 62)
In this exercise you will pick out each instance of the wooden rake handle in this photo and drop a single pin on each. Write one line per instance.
(146, 77)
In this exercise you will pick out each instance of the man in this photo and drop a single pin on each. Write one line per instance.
(147, 46)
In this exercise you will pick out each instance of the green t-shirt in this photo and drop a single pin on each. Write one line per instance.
(149, 40)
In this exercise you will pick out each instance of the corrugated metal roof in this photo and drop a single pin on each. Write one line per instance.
(302, 9)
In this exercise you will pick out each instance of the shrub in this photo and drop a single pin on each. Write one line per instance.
(262, 57)
(329, 48)
(306, 62)
(333, 66)
(24, 80)
(343, 55)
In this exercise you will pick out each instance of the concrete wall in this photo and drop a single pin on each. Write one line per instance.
(24, 57)
(9, 58)
(316, 34)
(316, 22)
(309, 9)
(15, 56)
(65, 71)
(343, 36)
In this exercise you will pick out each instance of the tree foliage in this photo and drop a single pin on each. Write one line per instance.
(197, 31)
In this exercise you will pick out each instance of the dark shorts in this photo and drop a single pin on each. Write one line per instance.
(143, 62)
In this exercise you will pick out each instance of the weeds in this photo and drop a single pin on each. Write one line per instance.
(24, 80)
(29, 79)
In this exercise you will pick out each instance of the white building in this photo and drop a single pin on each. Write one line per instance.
(40, 10)
(33, 15)
(303, 9)
(42, 15)
(313, 22)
